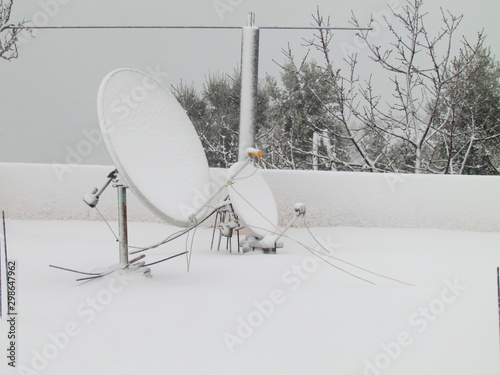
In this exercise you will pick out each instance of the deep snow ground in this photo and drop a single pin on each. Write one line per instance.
(287, 313)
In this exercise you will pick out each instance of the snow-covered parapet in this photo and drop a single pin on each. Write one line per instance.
(56, 192)
(389, 200)
(42, 192)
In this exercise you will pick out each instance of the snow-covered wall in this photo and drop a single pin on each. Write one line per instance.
(390, 200)
(55, 192)
(50, 192)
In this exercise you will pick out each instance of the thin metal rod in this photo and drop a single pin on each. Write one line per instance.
(220, 237)
(315, 28)
(163, 260)
(238, 239)
(498, 289)
(287, 227)
(122, 223)
(78, 27)
(215, 228)
(1, 288)
(6, 257)
(75, 271)
(111, 177)
(1, 296)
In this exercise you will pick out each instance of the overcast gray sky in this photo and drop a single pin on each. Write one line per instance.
(48, 95)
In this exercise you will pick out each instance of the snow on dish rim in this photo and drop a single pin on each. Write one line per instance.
(153, 145)
(253, 199)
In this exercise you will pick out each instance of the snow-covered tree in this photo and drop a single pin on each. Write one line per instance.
(470, 111)
(214, 112)
(9, 32)
(396, 131)
(442, 115)
(309, 137)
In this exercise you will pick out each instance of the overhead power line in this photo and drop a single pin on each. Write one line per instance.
(78, 27)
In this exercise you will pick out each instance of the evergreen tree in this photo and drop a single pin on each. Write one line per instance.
(215, 113)
(301, 112)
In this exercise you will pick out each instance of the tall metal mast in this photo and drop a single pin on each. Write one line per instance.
(249, 82)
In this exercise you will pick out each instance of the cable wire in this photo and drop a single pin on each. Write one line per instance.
(314, 252)
(351, 264)
(170, 238)
(105, 27)
(175, 235)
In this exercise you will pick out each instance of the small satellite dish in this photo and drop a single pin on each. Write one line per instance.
(153, 145)
(253, 200)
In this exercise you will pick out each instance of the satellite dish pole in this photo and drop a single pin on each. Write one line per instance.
(249, 81)
(93, 198)
(122, 223)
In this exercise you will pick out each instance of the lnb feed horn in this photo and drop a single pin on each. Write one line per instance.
(254, 152)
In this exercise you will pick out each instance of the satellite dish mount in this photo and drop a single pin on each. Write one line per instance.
(92, 199)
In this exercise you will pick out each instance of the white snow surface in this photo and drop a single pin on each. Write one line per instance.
(291, 313)
(286, 313)
(153, 144)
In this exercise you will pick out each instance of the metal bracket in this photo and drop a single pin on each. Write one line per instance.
(92, 199)
(271, 242)
(226, 220)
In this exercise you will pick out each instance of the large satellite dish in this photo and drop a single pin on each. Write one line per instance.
(153, 145)
(253, 199)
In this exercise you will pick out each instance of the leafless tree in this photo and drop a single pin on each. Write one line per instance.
(419, 67)
(472, 133)
(9, 32)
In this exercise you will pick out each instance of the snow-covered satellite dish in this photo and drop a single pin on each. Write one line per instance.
(253, 199)
(153, 145)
